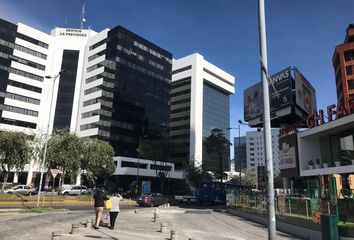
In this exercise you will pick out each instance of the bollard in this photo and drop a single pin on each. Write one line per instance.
(89, 223)
(56, 236)
(74, 229)
(156, 216)
(163, 227)
(174, 235)
(168, 205)
(307, 210)
(135, 211)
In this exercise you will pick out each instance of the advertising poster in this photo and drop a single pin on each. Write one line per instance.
(288, 157)
(305, 93)
(253, 102)
(145, 187)
(282, 85)
(280, 95)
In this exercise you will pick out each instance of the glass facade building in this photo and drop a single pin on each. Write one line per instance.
(133, 90)
(200, 102)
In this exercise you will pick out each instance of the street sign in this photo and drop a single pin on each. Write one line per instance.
(55, 172)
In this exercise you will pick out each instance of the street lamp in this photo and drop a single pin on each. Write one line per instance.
(240, 122)
(47, 135)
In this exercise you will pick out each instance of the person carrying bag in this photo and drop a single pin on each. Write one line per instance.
(114, 210)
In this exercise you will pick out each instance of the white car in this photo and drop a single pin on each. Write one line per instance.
(21, 189)
(75, 190)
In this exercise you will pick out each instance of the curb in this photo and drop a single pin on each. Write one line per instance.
(61, 202)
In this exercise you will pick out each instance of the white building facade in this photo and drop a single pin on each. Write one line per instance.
(27, 56)
(117, 98)
(256, 154)
(199, 103)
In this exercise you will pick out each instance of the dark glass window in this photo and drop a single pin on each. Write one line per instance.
(349, 55)
(96, 45)
(18, 123)
(182, 69)
(133, 165)
(351, 84)
(349, 70)
(31, 40)
(66, 89)
(160, 167)
(25, 86)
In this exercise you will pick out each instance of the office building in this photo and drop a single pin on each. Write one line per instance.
(125, 91)
(115, 86)
(200, 102)
(27, 55)
(256, 153)
(343, 63)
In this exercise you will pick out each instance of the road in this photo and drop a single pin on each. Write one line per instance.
(206, 224)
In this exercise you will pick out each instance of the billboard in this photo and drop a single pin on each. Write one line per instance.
(305, 93)
(279, 95)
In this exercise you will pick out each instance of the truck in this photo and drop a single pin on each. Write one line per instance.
(187, 198)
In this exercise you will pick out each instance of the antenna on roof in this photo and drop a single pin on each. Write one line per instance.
(82, 17)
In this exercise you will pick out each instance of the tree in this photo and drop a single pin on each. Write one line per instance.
(217, 143)
(160, 151)
(15, 152)
(97, 161)
(247, 179)
(196, 176)
(65, 152)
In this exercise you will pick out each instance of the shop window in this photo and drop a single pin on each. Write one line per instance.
(347, 150)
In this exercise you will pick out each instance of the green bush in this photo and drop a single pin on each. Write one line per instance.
(346, 229)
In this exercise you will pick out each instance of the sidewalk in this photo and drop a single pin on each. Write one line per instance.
(129, 226)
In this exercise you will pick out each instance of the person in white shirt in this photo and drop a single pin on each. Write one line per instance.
(114, 211)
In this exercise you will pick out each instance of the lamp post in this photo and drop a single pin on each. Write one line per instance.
(266, 121)
(240, 122)
(46, 138)
(137, 171)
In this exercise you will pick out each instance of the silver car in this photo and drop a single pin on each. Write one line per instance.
(21, 189)
(75, 190)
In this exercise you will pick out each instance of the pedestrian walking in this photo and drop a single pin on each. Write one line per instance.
(100, 197)
(114, 211)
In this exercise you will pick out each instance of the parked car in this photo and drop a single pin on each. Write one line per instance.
(75, 190)
(151, 200)
(21, 189)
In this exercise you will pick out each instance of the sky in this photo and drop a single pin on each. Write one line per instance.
(300, 33)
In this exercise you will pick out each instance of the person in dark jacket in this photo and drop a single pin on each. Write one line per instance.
(99, 197)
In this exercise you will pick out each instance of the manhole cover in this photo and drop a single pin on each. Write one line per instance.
(198, 212)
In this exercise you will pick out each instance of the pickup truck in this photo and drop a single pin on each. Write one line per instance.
(186, 198)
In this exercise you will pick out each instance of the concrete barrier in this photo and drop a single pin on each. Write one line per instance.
(74, 229)
(163, 227)
(89, 223)
(56, 236)
(174, 235)
(156, 216)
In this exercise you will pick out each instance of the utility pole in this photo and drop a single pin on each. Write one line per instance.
(266, 121)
